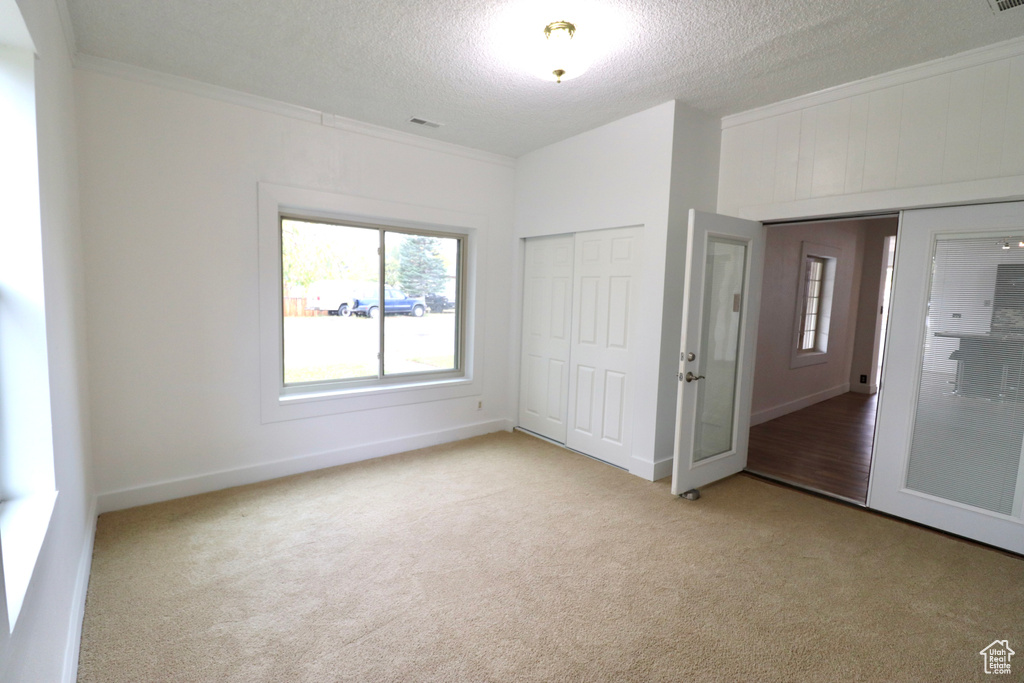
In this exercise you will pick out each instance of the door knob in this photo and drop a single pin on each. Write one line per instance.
(691, 377)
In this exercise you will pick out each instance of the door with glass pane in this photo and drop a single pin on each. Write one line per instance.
(722, 296)
(951, 417)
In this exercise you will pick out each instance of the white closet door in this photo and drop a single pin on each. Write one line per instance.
(605, 300)
(547, 316)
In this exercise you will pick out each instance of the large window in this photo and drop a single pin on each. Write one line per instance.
(365, 304)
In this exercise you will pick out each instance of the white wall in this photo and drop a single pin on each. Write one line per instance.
(867, 332)
(946, 132)
(169, 188)
(779, 388)
(696, 144)
(614, 176)
(631, 172)
(43, 646)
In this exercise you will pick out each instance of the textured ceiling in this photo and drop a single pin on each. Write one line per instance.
(384, 61)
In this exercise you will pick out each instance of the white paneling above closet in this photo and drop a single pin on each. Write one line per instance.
(957, 121)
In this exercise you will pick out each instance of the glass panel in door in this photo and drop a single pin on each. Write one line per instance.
(969, 418)
(720, 339)
(950, 422)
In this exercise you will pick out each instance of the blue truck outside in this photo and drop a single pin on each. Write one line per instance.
(395, 303)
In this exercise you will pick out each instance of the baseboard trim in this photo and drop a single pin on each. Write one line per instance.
(799, 404)
(74, 643)
(240, 476)
(651, 471)
(864, 389)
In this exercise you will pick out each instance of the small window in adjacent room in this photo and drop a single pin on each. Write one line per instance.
(816, 284)
(814, 271)
(367, 305)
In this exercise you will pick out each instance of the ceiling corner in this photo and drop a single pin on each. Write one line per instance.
(69, 30)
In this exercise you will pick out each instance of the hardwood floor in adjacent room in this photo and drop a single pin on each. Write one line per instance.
(826, 447)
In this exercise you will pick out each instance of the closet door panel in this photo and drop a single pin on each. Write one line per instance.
(601, 380)
(547, 314)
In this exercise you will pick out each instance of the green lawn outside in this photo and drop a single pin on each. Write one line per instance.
(333, 347)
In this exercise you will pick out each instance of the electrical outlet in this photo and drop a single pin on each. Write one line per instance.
(863, 379)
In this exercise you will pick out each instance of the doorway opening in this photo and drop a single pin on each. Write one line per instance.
(820, 347)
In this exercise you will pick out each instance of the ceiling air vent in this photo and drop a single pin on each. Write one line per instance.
(432, 124)
(1003, 5)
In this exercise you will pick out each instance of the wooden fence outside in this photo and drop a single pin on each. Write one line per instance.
(295, 307)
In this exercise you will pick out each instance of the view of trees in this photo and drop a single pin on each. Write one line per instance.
(318, 251)
(419, 265)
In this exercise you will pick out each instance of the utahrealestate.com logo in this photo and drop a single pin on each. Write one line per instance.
(997, 657)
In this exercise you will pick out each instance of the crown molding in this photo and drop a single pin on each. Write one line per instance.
(964, 60)
(139, 74)
(373, 130)
(69, 30)
(110, 67)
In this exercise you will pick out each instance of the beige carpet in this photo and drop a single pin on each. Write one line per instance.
(503, 558)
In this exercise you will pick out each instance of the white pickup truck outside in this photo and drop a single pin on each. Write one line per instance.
(337, 295)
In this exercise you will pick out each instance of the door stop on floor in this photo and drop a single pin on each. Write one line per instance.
(692, 494)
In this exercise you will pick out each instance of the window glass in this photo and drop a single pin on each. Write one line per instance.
(335, 324)
(421, 326)
(325, 268)
(969, 418)
(814, 270)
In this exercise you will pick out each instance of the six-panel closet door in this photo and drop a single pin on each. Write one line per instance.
(580, 299)
(547, 320)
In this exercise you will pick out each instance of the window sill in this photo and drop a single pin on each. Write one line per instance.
(23, 525)
(319, 401)
(332, 392)
(804, 358)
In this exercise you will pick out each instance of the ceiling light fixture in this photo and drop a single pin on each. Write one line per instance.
(527, 41)
(558, 35)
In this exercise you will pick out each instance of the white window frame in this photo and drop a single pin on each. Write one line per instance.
(819, 354)
(278, 403)
(27, 478)
(392, 378)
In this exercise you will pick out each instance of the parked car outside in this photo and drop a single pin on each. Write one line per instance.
(438, 303)
(442, 301)
(335, 296)
(395, 303)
